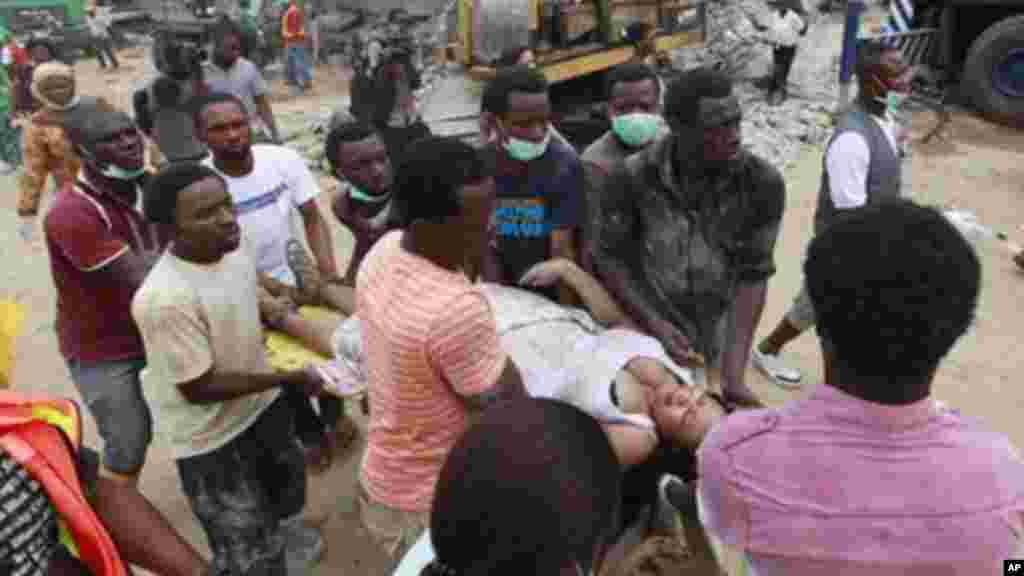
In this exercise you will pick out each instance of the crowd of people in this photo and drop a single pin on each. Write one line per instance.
(538, 330)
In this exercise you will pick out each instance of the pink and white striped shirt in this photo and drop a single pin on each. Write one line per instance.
(430, 340)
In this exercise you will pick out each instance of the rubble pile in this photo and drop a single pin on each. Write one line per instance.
(737, 45)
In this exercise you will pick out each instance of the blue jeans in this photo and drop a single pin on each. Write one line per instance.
(296, 69)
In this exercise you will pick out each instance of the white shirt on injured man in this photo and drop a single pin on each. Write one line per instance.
(560, 352)
(264, 200)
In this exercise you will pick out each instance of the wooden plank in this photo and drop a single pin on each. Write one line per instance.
(465, 25)
(679, 40)
(576, 67)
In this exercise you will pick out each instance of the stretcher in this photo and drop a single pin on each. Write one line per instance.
(284, 353)
(11, 315)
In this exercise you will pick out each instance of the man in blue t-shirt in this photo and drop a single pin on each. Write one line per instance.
(538, 177)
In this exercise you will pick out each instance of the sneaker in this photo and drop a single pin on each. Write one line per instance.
(775, 370)
(304, 546)
(665, 517)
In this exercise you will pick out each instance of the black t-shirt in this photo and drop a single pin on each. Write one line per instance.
(529, 209)
(29, 539)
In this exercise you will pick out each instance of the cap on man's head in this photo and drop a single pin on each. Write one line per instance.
(94, 120)
(53, 85)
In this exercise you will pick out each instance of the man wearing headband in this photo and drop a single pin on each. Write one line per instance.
(862, 166)
(687, 229)
(101, 249)
(45, 150)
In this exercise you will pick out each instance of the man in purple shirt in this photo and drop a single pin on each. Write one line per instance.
(870, 475)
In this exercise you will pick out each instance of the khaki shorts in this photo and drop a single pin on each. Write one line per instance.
(393, 530)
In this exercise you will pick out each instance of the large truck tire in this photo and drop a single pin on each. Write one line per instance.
(993, 75)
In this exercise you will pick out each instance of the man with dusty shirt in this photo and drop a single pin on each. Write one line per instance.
(538, 181)
(217, 402)
(686, 235)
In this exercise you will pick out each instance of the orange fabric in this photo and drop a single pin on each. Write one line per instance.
(293, 25)
(39, 446)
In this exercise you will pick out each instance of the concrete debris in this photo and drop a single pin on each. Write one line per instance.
(737, 44)
(734, 43)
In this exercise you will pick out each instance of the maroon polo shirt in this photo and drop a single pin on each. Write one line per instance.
(85, 232)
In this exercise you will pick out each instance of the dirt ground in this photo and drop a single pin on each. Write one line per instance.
(978, 167)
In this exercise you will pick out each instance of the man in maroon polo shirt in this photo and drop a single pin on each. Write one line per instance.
(100, 251)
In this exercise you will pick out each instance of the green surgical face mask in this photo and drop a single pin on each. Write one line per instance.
(118, 173)
(524, 150)
(637, 129)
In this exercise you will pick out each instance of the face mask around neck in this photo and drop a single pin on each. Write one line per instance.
(118, 173)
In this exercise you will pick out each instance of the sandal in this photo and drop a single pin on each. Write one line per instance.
(307, 276)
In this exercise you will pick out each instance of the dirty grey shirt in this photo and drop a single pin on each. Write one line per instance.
(608, 151)
(688, 241)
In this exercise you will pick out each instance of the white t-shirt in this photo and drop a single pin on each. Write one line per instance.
(264, 199)
(847, 161)
(244, 80)
(417, 558)
(193, 318)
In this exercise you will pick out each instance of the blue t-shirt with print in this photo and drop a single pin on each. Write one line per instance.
(530, 207)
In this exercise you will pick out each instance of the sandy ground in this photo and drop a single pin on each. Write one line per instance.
(979, 167)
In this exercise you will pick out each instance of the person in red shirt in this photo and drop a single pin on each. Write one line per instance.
(293, 33)
(101, 249)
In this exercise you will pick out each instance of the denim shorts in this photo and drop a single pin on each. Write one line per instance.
(113, 394)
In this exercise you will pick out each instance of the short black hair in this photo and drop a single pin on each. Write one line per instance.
(199, 104)
(345, 130)
(508, 80)
(531, 488)
(37, 41)
(226, 27)
(682, 97)
(631, 72)
(893, 286)
(429, 174)
(160, 198)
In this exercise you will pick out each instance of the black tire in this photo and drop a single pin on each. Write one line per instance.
(978, 81)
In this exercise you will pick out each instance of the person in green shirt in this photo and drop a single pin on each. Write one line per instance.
(10, 157)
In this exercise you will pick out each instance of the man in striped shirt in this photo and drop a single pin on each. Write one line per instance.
(433, 356)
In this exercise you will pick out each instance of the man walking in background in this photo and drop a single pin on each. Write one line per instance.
(861, 166)
(293, 34)
(99, 27)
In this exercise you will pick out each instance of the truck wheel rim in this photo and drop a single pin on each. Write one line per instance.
(1008, 74)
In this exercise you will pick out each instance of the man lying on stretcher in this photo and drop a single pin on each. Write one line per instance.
(594, 359)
